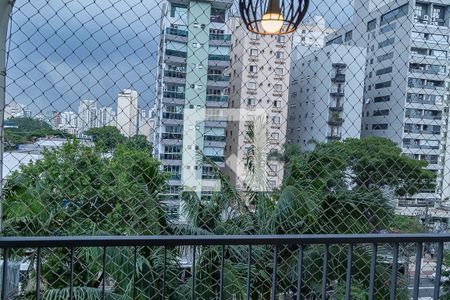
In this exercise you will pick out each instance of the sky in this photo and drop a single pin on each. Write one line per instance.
(61, 51)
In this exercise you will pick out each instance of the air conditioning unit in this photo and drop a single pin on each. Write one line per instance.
(426, 17)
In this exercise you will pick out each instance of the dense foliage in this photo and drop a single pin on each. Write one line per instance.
(341, 187)
(107, 138)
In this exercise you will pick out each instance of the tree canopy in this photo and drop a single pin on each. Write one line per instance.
(28, 129)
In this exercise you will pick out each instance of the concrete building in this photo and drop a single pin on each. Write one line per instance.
(146, 124)
(193, 55)
(326, 96)
(127, 112)
(69, 121)
(14, 110)
(309, 37)
(56, 119)
(87, 113)
(259, 84)
(405, 88)
(105, 116)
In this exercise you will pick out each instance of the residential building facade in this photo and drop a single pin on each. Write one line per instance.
(258, 86)
(309, 37)
(325, 97)
(405, 86)
(105, 116)
(87, 112)
(127, 112)
(193, 55)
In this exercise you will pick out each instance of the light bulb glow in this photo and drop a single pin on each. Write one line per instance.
(272, 22)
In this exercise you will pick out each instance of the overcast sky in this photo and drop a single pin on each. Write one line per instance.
(61, 51)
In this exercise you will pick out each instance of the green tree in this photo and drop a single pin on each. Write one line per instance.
(138, 142)
(106, 138)
(28, 129)
(75, 190)
(340, 187)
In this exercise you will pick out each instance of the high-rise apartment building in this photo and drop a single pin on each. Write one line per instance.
(87, 113)
(127, 112)
(14, 110)
(56, 119)
(193, 55)
(259, 85)
(105, 116)
(69, 122)
(326, 93)
(146, 124)
(309, 37)
(407, 44)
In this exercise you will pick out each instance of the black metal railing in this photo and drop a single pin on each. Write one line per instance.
(14, 246)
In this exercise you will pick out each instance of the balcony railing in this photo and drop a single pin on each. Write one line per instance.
(337, 108)
(220, 37)
(338, 78)
(356, 252)
(219, 57)
(170, 156)
(172, 136)
(215, 138)
(218, 77)
(337, 94)
(171, 94)
(335, 121)
(175, 74)
(217, 98)
(334, 136)
(176, 31)
(176, 53)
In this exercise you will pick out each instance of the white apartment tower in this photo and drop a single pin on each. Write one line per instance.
(105, 116)
(259, 83)
(407, 44)
(127, 112)
(309, 37)
(87, 113)
(326, 93)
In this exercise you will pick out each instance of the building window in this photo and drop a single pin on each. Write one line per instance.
(382, 112)
(348, 36)
(381, 85)
(384, 71)
(277, 104)
(371, 25)
(251, 102)
(253, 68)
(280, 55)
(386, 42)
(379, 126)
(276, 120)
(273, 167)
(251, 85)
(275, 136)
(278, 87)
(394, 14)
(253, 52)
(279, 71)
(382, 99)
(281, 38)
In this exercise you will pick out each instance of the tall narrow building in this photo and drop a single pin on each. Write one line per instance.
(105, 116)
(127, 112)
(259, 86)
(407, 44)
(87, 113)
(193, 55)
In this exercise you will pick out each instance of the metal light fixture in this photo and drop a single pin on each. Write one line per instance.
(272, 16)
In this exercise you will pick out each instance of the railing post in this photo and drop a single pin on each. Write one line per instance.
(5, 11)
